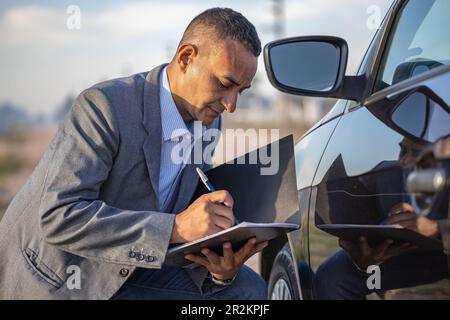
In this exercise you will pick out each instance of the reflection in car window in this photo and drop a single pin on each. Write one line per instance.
(438, 124)
(410, 115)
(419, 44)
(423, 118)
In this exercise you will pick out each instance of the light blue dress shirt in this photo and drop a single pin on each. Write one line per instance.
(171, 123)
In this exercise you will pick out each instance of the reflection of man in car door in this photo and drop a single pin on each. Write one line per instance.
(343, 275)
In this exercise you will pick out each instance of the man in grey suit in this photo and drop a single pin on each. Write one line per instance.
(96, 217)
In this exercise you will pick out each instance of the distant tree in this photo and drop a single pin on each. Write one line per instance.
(64, 108)
(12, 117)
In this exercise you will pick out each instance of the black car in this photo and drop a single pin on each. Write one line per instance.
(352, 166)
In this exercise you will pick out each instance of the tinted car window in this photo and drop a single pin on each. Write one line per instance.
(419, 43)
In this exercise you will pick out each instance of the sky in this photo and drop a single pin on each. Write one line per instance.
(46, 52)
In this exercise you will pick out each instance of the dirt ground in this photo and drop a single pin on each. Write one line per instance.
(19, 154)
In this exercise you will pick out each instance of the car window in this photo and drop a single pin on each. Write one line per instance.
(419, 42)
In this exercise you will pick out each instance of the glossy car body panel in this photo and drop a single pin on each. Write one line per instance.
(353, 166)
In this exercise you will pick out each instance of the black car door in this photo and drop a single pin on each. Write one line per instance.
(362, 176)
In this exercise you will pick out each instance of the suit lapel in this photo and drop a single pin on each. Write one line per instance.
(152, 145)
(189, 178)
(186, 188)
(152, 124)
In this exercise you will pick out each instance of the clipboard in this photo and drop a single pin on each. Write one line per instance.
(378, 233)
(266, 205)
(237, 235)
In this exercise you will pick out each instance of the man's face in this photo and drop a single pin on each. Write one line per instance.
(409, 151)
(213, 81)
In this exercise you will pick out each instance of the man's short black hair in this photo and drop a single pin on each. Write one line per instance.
(226, 23)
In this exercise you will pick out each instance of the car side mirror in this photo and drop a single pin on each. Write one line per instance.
(312, 66)
(415, 114)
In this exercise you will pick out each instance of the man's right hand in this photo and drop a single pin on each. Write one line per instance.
(208, 214)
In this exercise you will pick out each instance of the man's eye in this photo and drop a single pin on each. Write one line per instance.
(222, 85)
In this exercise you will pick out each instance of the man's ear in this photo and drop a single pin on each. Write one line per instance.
(185, 55)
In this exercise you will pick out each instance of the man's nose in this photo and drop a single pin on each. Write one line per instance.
(229, 103)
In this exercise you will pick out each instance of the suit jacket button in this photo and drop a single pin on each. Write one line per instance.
(140, 257)
(124, 272)
(132, 254)
(151, 258)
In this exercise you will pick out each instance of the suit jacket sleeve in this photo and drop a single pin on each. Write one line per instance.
(71, 215)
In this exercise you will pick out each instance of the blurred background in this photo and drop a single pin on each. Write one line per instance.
(50, 51)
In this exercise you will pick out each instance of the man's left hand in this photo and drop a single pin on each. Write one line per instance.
(403, 214)
(227, 266)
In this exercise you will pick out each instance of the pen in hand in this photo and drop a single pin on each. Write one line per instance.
(210, 187)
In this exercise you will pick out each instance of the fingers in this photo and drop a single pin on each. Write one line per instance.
(228, 254)
(245, 250)
(227, 265)
(258, 248)
(380, 250)
(408, 224)
(221, 196)
(364, 255)
(230, 258)
(222, 212)
(400, 248)
(401, 217)
(197, 259)
(222, 223)
(400, 208)
(212, 257)
(364, 246)
(346, 245)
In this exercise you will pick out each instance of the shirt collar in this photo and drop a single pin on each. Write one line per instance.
(173, 125)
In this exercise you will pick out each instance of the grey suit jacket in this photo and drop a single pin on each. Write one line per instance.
(93, 199)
